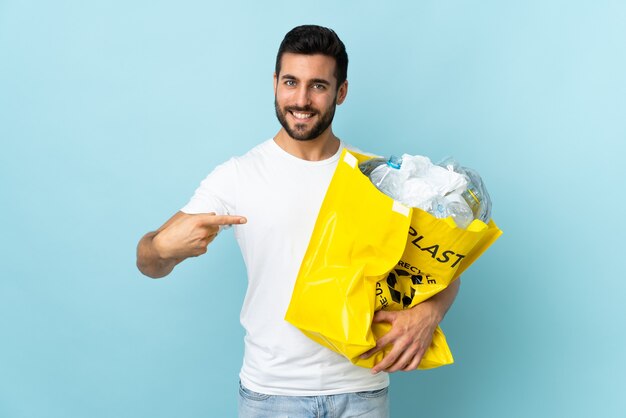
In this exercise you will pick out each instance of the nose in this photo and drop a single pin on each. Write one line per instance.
(303, 97)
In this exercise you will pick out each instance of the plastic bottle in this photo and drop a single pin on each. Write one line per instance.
(460, 211)
(452, 205)
(438, 208)
(384, 174)
(476, 194)
(368, 166)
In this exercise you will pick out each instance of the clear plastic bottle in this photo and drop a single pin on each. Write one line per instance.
(384, 174)
(476, 195)
(460, 211)
(438, 208)
(368, 166)
(452, 205)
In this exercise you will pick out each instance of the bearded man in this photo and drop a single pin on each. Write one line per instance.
(271, 197)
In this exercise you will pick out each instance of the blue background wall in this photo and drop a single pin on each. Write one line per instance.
(111, 112)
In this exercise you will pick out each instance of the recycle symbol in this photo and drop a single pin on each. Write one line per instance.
(397, 296)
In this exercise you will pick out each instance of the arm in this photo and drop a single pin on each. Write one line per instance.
(412, 330)
(181, 237)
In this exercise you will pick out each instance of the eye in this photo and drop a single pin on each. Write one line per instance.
(290, 83)
(319, 86)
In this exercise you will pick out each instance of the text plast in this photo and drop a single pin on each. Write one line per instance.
(443, 256)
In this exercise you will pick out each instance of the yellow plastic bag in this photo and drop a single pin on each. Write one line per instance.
(360, 259)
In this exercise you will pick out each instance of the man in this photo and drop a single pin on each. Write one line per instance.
(279, 186)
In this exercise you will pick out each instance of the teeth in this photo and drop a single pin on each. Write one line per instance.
(302, 115)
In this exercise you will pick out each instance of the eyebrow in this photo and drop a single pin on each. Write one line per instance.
(314, 80)
(320, 81)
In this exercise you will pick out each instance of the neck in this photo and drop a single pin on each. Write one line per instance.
(317, 149)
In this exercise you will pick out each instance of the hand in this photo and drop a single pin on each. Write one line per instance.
(189, 235)
(411, 334)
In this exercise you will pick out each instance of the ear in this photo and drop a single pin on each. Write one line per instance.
(275, 83)
(342, 92)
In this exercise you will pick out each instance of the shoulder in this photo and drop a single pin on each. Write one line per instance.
(259, 152)
(253, 156)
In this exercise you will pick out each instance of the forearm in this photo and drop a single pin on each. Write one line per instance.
(441, 302)
(150, 262)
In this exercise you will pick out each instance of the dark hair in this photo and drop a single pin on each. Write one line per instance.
(313, 39)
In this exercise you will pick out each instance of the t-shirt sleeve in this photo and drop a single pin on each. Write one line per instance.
(217, 192)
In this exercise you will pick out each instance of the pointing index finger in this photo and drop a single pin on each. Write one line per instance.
(212, 219)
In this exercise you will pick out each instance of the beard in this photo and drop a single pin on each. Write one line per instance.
(299, 130)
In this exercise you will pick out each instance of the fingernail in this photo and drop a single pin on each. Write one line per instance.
(243, 220)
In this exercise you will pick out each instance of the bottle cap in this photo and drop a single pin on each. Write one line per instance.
(394, 162)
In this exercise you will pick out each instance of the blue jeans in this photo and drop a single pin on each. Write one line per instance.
(370, 404)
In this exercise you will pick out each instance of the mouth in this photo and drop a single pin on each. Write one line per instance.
(301, 116)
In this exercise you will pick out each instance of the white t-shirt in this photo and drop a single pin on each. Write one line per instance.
(280, 195)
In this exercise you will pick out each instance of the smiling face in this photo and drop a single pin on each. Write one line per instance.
(306, 94)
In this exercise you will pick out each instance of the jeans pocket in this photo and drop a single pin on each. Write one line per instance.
(251, 395)
(368, 394)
